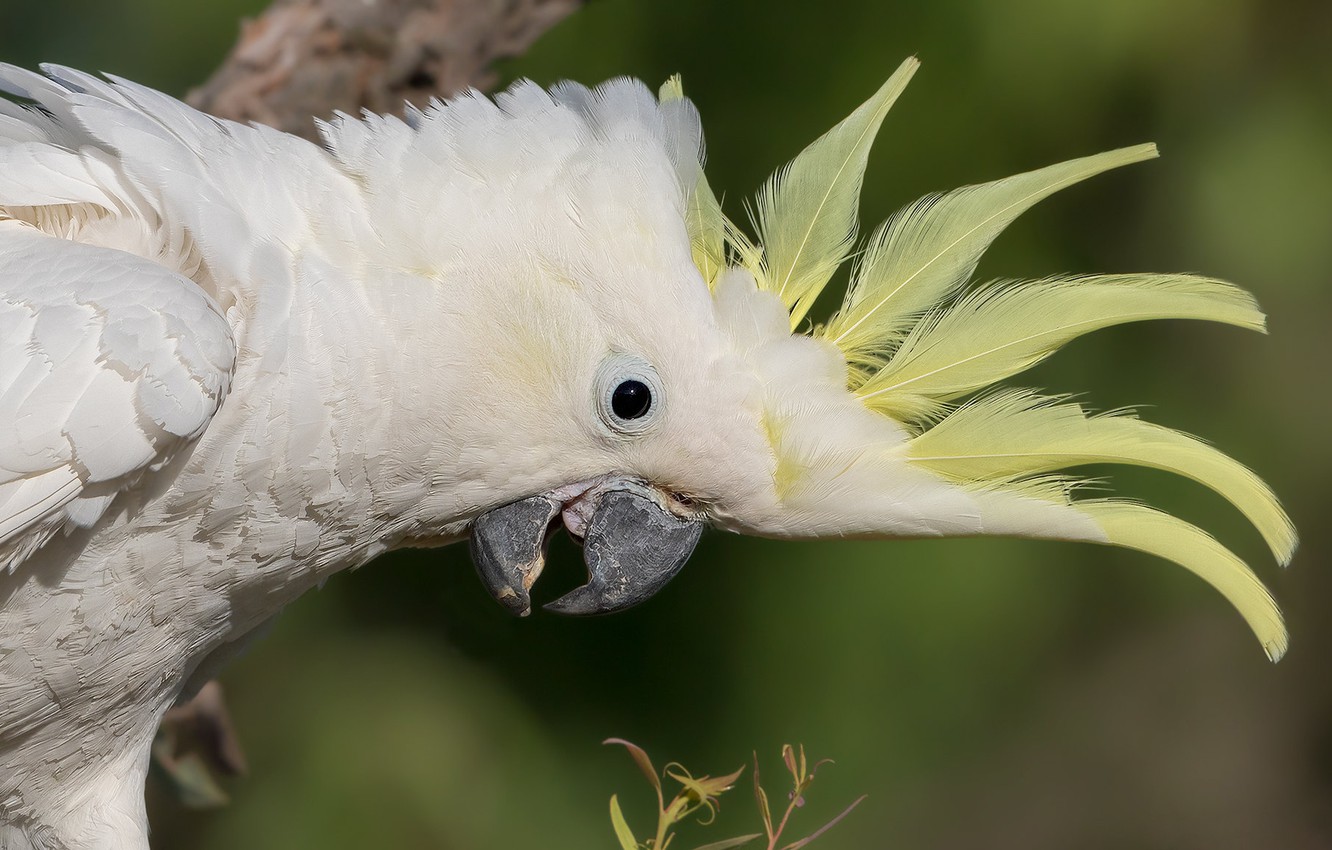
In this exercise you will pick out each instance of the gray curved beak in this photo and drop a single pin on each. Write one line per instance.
(632, 546)
(508, 546)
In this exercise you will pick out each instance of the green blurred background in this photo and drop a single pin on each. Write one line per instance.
(987, 693)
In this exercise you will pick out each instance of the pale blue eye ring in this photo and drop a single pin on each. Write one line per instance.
(629, 394)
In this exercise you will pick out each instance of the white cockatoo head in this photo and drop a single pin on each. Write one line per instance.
(649, 369)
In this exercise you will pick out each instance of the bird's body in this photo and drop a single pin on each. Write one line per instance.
(353, 425)
(103, 627)
(236, 363)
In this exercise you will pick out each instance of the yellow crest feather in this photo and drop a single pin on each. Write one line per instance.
(998, 331)
(1145, 529)
(806, 212)
(928, 249)
(913, 346)
(1016, 433)
(704, 220)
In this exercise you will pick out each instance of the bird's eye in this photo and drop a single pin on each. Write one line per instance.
(629, 394)
(631, 400)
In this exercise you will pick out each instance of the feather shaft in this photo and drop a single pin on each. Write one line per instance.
(704, 220)
(1017, 433)
(999, 331)
(929, 248)
(1134, 526)
(706, 225)
(806, 212)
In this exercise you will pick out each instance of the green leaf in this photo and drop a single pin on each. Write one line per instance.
(788, 756)
(679, 808)
(827, 826)
(641, 759)
(622, 831)
(704, 788)
(192, 783)
(761, 797)
(727, 844)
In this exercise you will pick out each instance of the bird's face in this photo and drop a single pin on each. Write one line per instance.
(644, 412)
(652, 403)
(642, 369)
(642, 380)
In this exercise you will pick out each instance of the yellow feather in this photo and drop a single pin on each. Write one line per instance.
(806, 212)
(1146, 530)
(704, 221)
(1001, 330)
(928, 249)
(744, 252)
(1017, 433)
(911, 354)
(672, 89)
(707, 228)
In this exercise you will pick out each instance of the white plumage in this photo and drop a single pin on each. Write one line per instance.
(233, 363)
(111, 364)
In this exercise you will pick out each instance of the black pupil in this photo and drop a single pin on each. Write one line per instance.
(631, 400)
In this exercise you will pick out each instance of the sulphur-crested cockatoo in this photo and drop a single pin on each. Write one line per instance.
(233, 363)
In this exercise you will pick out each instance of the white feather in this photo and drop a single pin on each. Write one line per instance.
(279, 360)
(74, 378)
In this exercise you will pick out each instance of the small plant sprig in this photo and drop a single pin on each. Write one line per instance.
(802, 776)
(701, 793)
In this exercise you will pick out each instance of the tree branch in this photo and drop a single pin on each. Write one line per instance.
(304, 58)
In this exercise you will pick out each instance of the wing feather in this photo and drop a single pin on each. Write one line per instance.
(233, 187)
(109, 364)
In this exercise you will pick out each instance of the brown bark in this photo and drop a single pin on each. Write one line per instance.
(304, 58)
